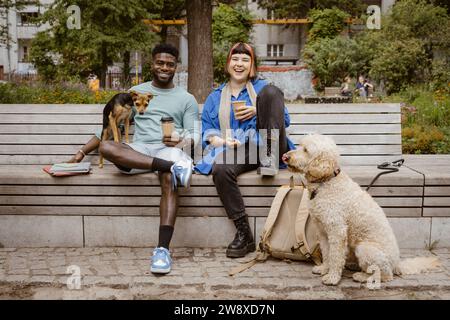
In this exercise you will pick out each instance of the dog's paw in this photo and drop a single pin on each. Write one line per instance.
(322, 270)
(360, 277)
(331, 279)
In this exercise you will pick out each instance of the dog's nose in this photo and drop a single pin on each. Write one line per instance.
(141, 113)
(285, 158)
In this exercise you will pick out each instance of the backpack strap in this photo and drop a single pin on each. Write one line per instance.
(274, 211)
(263, 251)
(300, 228)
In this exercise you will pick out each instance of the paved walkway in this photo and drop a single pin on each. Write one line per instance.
(123, 273)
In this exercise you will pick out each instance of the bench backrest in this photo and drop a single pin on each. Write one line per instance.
(366, 134)
(332, 91)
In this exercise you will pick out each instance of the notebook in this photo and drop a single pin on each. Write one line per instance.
(68, 169)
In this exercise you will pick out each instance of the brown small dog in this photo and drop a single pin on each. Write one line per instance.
(118, 111)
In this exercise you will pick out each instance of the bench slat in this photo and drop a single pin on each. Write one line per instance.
(53, 129)
(346, 128)
(292, 108)
(154, 211)
(355, 160)
(203, 201)
(437, 191)
(83, 138)
(53, 118)
(109, 175)
(344, 119)
(71, 149)
(354, 139)
(193, 191)
(125, 201)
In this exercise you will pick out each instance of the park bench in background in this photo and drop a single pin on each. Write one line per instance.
(107, 208)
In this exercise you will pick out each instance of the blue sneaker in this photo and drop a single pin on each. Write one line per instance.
(161, 261)
(181, 173)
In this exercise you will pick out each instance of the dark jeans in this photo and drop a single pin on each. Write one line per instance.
(270, 115)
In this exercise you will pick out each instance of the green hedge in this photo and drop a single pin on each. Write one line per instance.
(425, 120)
(52, 94)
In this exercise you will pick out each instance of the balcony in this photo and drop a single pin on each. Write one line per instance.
(27, 31)
(25, 68)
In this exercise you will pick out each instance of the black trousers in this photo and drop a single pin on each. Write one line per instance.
(269, 115)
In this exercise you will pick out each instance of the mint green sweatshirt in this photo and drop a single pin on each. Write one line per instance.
(176, 103)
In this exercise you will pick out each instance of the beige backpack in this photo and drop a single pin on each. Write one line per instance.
(289, 232)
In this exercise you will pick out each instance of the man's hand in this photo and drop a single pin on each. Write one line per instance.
(245, 113)
(176, 141)
(76, 158)
(171, 141)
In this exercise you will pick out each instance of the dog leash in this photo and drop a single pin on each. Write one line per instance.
(388, 167)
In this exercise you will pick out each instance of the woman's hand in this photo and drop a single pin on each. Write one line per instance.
(245, 113)
(216, 141)
(233, 143)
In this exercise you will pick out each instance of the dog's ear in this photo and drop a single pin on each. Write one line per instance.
(150, 96)
(134, 95)
(321, 167)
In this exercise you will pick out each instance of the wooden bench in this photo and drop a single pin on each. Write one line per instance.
(332, 91)
(107, 208)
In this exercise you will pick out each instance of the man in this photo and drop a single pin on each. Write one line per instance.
(150, 152)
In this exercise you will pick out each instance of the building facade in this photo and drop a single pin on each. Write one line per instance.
(22, 30)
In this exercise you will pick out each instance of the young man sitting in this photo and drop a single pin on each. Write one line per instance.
(150, 152)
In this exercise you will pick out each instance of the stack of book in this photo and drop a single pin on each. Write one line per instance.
(68, 169)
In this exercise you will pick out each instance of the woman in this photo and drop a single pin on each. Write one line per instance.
(234, 142)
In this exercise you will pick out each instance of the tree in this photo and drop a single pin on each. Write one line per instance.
(230, 25)
(200, 49)
(412, 46)
(108, 29)
(300, 8)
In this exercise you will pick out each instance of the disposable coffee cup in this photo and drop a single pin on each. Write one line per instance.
(167, 126)
(237, 105)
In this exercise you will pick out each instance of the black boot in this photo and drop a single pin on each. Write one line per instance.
(243, 242)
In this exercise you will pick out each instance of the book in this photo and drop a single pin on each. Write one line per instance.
(68, 169)
(71, 167)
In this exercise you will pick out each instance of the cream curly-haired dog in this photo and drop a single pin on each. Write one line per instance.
(353, 226)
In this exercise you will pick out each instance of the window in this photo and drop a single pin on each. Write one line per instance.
(275, 50)
(25, 54)
(27, 18)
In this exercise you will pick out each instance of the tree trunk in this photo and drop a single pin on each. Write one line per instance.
(104, 66)
(200, 49)
(163, 33)
(126, 69)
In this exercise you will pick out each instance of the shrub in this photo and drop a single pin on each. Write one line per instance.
(326, 23)
(331, 60)
(49, 94)
(421, 139)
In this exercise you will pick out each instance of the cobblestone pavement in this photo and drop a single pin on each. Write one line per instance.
(123, 273)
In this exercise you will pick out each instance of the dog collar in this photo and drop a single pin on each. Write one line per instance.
(314, 192)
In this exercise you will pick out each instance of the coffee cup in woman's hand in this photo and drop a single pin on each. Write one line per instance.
(244, 113)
